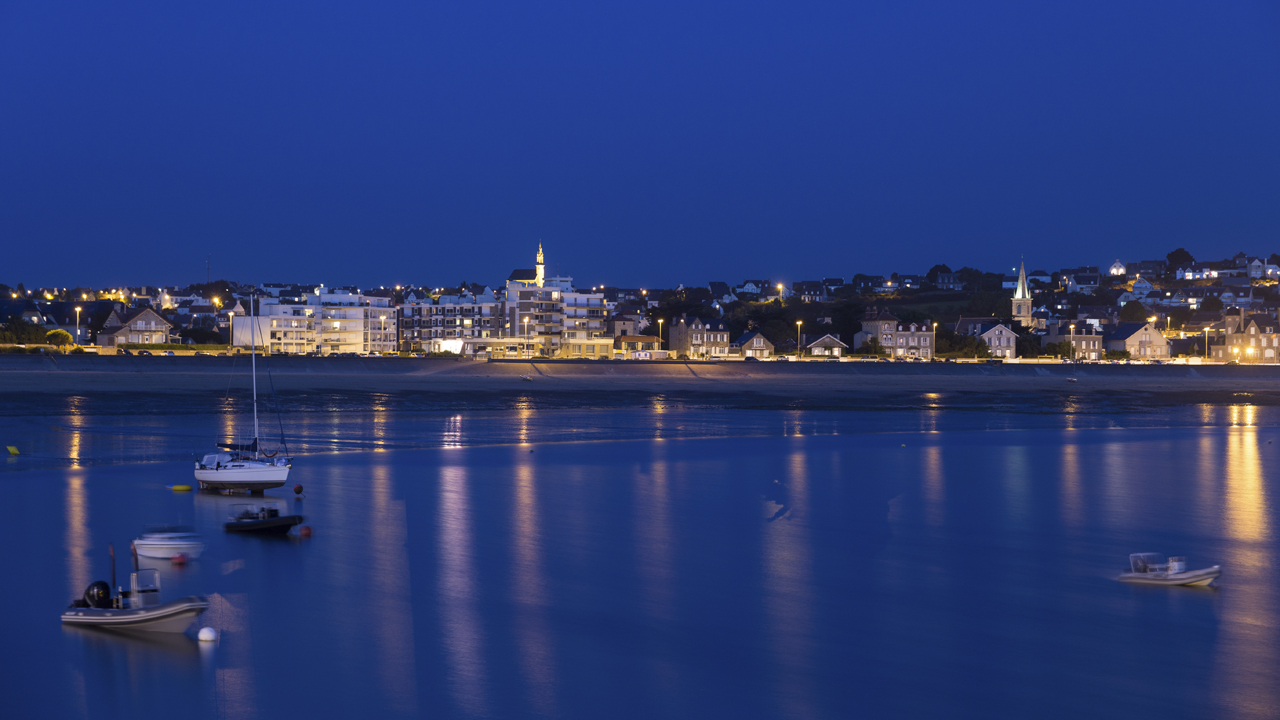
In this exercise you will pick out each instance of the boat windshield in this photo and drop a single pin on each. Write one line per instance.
(168, 530)
(1146, 562)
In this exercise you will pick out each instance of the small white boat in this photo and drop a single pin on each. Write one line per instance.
(165, 542)
(1153, 569)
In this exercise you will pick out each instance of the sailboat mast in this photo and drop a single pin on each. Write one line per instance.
(253, 362)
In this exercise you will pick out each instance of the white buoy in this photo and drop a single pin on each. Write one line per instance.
(208, 634)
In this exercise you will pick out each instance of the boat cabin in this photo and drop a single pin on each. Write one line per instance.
(1147, 562)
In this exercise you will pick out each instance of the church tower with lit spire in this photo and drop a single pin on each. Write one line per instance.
(541, 267)
(1022, 299)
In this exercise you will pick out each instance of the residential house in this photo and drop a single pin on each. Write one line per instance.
(752, 344)
(698, 337)
(1086, 340)
(1083, 282)
(1141, 339)
(897, 339)
(810, 290)
(1117, 268)
(722, 293)
(619, 325)
(1250, 340)
(143, 326)
(1001, 340)
(825, 346)
(638, 347)
(949, 281)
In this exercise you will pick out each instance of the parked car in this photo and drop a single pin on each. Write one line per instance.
(168, 353)
(202, 353)
(145, 352)
(750, 359)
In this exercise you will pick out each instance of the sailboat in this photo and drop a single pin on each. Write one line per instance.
(243, 466)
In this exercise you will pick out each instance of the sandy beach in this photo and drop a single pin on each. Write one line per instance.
(767, 383)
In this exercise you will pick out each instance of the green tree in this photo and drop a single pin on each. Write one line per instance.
(59, 337)
(1116, 355)
(932, 275)
(1211, 304)
(1133, 311)
(1179, 257)
(871, 347)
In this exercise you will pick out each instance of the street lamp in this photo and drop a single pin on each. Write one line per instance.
(526, 336)
(798, 324)
(1073, 340)
(77, 325)
(659, 333)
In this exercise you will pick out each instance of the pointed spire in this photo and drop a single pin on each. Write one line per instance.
(540, 261)
(1022, 293)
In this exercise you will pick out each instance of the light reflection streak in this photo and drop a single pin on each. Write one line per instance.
(463, 637)
(934, 485)
(390, 583)
(532, 633)
(788, 596)
(452, 437)
(1072, 503)
(1247, 653)
(235, 695)
(77, 539)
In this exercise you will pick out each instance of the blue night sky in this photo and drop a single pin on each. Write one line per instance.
(645, 144)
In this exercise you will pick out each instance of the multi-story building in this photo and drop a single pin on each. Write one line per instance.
(698, 337)
(1001, 340)
(446, 323)
(326, 322)
(895, 337)
(1085, 339)
(584, 333)
(1250, 340)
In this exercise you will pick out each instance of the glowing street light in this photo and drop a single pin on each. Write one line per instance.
(798, 324)
(1073, 340)
(77, 325)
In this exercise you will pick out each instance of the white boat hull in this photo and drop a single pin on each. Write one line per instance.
(1203, 576)
(174, 616)
(167, 549)
(243, 475)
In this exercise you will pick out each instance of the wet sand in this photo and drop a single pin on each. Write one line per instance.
(732, 383)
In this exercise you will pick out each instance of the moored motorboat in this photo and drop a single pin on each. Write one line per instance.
(264, 520)
(167, 541)
(1153, 569)
(138, 608)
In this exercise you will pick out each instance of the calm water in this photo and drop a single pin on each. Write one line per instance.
(662, 561)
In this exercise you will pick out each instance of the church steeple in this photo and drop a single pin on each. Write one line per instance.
(541, 267)
(1021, 293)
(1022, 299)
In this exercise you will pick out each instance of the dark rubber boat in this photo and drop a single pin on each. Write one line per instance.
(264, 520)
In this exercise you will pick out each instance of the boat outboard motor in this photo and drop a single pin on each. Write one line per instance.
(98, 595)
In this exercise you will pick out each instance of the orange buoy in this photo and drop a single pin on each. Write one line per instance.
(305, 531)
(297, 489)
(179, 559)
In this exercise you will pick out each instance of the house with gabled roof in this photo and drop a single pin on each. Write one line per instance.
(826, 346)
(752, 344)
(697, 337)
(143, 326)
(1140, 339)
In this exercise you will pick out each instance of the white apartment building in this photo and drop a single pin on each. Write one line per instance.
(332, 320)
(583, 333)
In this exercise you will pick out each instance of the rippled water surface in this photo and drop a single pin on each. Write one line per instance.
(663, 560)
